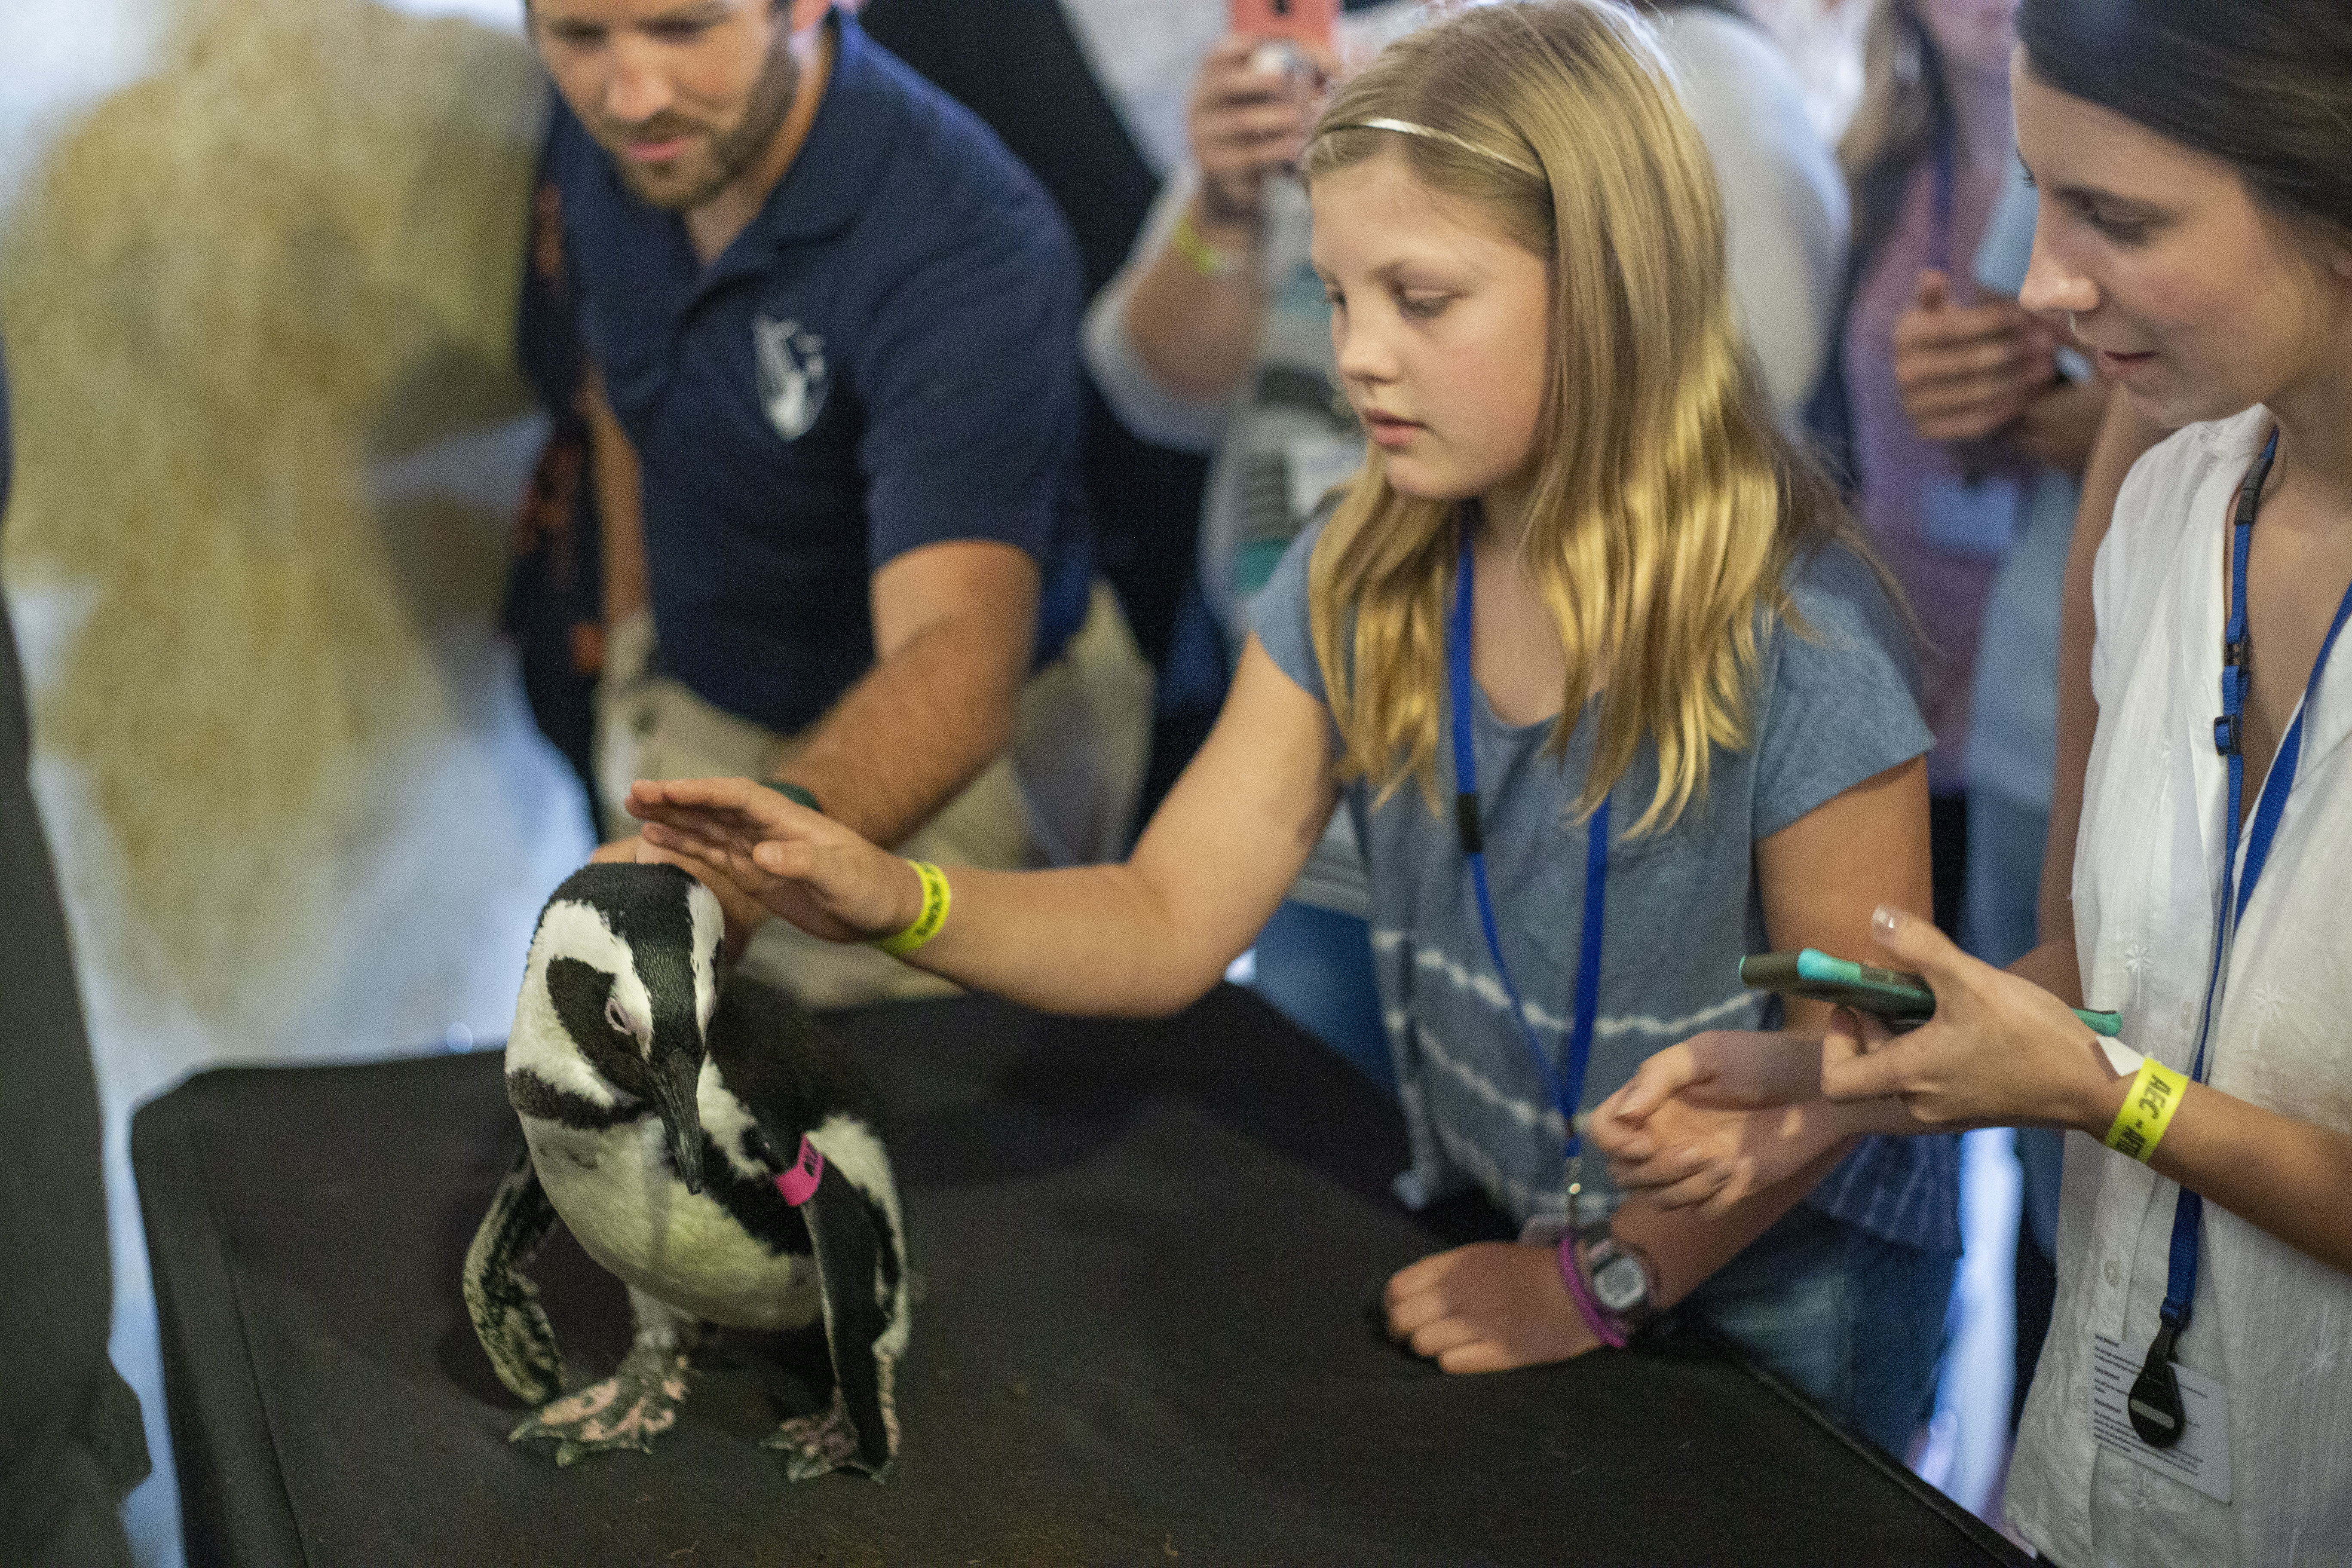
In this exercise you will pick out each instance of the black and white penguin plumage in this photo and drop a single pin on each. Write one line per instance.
(702, 1142)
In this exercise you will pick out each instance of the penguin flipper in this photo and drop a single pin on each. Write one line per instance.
(860, 1431)
(500, 1298)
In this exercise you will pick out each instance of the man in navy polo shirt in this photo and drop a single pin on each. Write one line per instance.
(835, 395)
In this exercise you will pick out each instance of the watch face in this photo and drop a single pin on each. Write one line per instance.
(1618, 1285)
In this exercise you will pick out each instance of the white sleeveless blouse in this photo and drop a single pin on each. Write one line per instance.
(2271, 1325)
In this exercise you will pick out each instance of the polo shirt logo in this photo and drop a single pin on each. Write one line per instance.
(791, 375)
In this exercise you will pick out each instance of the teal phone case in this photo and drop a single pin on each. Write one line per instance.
(1890, 993)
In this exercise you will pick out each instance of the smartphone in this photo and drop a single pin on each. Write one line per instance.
(1301, 21)
(1898, 998)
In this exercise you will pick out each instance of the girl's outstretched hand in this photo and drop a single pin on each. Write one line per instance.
(1999, 1051)
(797, 863)
(1487, 1307)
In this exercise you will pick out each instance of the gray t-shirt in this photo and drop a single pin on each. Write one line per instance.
(1830, 709)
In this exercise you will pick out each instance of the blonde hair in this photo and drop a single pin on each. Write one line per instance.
(1666, 506)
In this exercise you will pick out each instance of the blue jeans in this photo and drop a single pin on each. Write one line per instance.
(1855, 1321)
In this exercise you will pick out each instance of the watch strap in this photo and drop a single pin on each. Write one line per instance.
(1604, 1328)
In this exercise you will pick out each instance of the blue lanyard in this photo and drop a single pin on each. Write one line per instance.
(1568, 1092)
(2155, 1385)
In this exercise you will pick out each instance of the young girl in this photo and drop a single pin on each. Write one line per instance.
(1614, 696)
(2190, 1406)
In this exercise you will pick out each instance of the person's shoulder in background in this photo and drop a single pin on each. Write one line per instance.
(939, 165)
(1784, 199)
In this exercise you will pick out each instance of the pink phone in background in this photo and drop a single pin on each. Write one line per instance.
(1301, 21)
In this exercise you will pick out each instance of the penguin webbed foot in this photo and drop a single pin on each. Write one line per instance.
(819, 1445)
(637, 1404)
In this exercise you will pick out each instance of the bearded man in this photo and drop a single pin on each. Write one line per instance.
(833, 396)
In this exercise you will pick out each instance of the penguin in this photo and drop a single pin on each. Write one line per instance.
(707, 1144)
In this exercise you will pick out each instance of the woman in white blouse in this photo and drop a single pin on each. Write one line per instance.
(2194, 1402)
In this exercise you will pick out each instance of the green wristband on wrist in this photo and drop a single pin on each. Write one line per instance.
(797, 793)
(1187, 241)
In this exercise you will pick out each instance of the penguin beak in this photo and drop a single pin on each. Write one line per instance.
(673, 1100)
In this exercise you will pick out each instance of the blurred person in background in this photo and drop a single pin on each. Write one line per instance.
(1926, 156)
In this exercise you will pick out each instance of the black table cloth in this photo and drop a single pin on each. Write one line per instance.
(1145, 1253)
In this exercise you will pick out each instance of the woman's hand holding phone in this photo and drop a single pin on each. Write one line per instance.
(1998, 1052)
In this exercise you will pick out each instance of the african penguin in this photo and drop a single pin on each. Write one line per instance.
(707, 1144)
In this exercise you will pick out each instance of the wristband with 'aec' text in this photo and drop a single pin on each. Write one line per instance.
(927, 922)
(2148, 1104)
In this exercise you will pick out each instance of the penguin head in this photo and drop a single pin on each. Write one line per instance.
(618, 993)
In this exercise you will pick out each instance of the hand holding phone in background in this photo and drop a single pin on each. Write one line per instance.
(1307, 22)
(1256, 101)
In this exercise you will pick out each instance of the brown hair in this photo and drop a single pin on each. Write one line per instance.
(2264, 85)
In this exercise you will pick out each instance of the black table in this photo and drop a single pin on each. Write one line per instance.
(1147, 1253)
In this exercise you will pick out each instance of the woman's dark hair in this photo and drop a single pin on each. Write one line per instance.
(2265, 85)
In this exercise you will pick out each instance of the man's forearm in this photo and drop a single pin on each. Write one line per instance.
(619, 504)
(921, 725)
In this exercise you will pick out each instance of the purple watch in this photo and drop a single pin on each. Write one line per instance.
(1611, 1284)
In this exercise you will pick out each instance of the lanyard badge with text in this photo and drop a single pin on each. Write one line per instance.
(1567, 1090)
(2155, 1403)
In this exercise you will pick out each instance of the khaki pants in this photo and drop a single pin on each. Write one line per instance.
(1065, 794)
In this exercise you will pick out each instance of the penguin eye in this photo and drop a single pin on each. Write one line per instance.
(615, 1018)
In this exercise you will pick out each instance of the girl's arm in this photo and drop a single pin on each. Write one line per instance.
(1719, 1119)
(1494, 1305)
(1138, 939)
(1820, 878)
(1730, 1071)
(2001, 1052)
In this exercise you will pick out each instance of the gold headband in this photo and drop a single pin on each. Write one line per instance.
(1408, 128)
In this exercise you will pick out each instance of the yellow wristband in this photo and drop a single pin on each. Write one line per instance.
(2148, 1104)
(1187, 241)
(933, 916)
